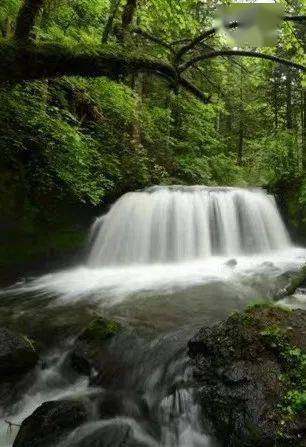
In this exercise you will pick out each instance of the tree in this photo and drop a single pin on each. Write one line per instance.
(25, 59)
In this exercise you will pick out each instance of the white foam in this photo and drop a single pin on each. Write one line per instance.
(110, 285)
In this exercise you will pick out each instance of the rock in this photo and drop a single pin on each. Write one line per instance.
(87, 353)
(296, 281)
(17, 353)
(111, 434)
(112, 404)
(231, 263)
(50, 422)
(240, 374)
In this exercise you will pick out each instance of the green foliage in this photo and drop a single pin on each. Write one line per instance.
(294, 376)
(280, 158)
(90, 140)
(54, 151)
(263, 304)
(225, 171)
(296, 401)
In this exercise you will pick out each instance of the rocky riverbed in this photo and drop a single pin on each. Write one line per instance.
(245, 376)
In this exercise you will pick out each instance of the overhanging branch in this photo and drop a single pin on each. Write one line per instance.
(152, 38)
(239, 53)
(194, 42)
(33, 62)
(191, 88)
(211, 32)
(294, 18)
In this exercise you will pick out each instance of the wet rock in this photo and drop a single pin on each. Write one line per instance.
(112, 404)
(231, 263)
(17, 353)
(88, 350)
(110, 434)
(239, 374)
(50, 423)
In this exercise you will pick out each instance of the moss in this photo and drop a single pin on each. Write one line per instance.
(273, 324)
(242, 317)
(258, 313)
(31, 343)
(260, 305)
(293, 361)
(90, 346)
(100, 329)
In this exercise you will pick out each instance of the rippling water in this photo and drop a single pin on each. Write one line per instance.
(163, 304)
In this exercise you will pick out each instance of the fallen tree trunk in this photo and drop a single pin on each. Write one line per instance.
(30, 62)
(45, 61)
(297, 280)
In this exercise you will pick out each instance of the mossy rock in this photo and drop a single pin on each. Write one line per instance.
(18, 353)
(89, 348)
(50, 423)
(244, 375)
(100, 329)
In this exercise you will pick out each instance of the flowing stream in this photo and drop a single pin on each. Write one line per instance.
(164, 261)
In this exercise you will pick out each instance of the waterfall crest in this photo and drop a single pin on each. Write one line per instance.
(179, 223)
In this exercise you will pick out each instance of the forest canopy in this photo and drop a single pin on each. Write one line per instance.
(99, 97)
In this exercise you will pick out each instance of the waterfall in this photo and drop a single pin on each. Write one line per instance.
(179, 223)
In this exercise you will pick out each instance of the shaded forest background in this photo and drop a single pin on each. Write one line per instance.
(71, 145)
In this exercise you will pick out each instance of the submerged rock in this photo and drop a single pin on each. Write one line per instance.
(17, 353)
(50, 423)
(110, 434)
(87, 353)
(246, 368)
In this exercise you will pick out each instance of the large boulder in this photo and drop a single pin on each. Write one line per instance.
(17, 353)
(88, 351)
(50, 423)
(250, 376)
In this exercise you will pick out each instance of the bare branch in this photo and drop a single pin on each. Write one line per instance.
(232, 61)
(180, 41)
(211, 32)
(152, 38)
(191, 88)
(194, 42)
(294, 18)
(26, 19)
(239, 53)
(213, 84)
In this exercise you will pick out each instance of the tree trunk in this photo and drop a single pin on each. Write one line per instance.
(128, 16)
(289, 100)
(26, 19)
(129, 13)
(110, 20)
(240, 144)
(304, 128)
(136, 128)
(241, 124)
(275, 103)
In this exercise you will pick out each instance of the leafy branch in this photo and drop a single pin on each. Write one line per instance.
(26, 60)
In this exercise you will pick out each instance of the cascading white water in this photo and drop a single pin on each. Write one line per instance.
(178, 223)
